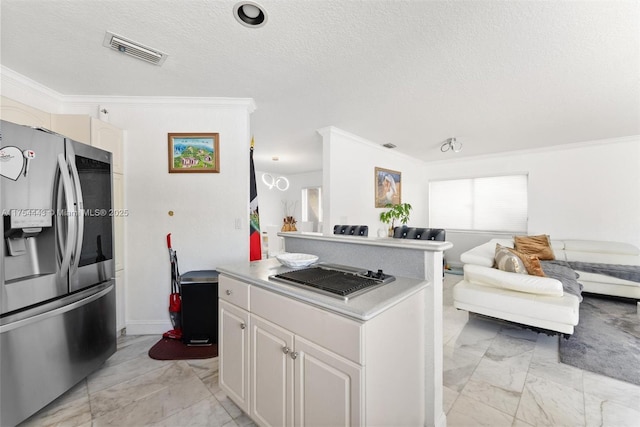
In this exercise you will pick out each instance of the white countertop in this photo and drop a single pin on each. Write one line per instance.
(362, 307)
(423, 245)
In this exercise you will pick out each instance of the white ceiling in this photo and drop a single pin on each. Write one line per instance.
(498, 75)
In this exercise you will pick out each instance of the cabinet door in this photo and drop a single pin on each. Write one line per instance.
(328, 388)
(272, 374)
(109, 138)
(16, 112)
(74, 126)
(233, 348)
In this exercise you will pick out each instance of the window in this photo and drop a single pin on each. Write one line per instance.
(496, 203)
(312, 206)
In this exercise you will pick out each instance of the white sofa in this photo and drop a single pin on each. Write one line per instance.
(540, 301)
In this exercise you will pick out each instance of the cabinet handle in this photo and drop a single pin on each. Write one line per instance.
(285, 350)
(294, 354)
(242, 325)
(228, 292)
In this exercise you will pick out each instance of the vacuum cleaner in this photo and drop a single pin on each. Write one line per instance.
(175, 303)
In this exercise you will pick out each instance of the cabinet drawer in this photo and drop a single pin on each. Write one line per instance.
(233, 291)
(335, 333)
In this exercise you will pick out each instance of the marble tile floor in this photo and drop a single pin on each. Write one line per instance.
(495, 374)
(133, 390)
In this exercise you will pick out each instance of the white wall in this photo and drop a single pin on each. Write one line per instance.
(270, 201)
(349, 164)
(578, 191)
(210, 222)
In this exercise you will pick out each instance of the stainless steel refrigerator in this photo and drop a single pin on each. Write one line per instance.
(57, 291)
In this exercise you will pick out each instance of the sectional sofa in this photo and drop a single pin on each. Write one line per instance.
(545, 302)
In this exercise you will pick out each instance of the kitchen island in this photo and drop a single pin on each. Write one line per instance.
(292, 356)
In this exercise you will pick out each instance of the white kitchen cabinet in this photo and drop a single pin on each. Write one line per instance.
(109, 137)
(272, 373)
(74, 126)
(312, 367)
(233, 348)
(298, 383)
(327, 387)
(16, 112)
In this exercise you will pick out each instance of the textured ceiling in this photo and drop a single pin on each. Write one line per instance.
(498, 75)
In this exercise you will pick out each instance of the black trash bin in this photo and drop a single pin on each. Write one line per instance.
(199, 292)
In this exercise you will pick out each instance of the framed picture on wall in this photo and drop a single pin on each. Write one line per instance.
(388, 187)
(194, 153)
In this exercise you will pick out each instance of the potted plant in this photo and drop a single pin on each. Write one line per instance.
(398, 211)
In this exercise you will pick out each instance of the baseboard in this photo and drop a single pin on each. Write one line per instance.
(148, 327)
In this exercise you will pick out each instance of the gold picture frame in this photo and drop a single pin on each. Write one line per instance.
(387, 187)
(194, 152)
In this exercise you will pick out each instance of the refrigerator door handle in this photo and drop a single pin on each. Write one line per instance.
(80, 209)
(70, 213)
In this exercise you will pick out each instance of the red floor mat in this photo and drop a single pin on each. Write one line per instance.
(168, 349)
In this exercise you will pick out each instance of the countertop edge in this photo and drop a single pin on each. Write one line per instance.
(422, 245)
(336, 306)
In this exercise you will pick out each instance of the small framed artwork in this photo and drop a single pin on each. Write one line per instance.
(194, 153)
(388, 186)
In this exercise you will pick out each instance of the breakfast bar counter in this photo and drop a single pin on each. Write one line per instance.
(363, 307)
(290, 355)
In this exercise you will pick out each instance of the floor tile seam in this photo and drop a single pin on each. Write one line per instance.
(608, 400)
(514, 371)
(524, 384)
(558, 382)
(163, 386)
(178, 410)
(584, 401)
(136, 374)
(581, 392)
(464, 412)
(89, 401)
(137, 401)
(459, 393)
(472, 397)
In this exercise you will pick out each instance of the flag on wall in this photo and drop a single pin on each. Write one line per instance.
(255, 249)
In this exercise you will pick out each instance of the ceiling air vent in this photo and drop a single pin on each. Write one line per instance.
(131, 48)
(389, 145)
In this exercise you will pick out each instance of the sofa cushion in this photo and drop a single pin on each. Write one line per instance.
(526, 283)
(532, 264)
(602, 258)
(601, 247)
(553, 313)
(534, 245)
(506, 260)
(484, 254)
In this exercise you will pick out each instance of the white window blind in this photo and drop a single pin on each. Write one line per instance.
(496, 203)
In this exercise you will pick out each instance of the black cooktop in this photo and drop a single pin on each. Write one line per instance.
(335, 282)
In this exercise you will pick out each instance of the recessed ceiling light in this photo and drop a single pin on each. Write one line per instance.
(250, 14)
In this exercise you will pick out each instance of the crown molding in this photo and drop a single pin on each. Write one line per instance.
(15, 83)
(150, 101)
(547, 149)
(329, 130)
